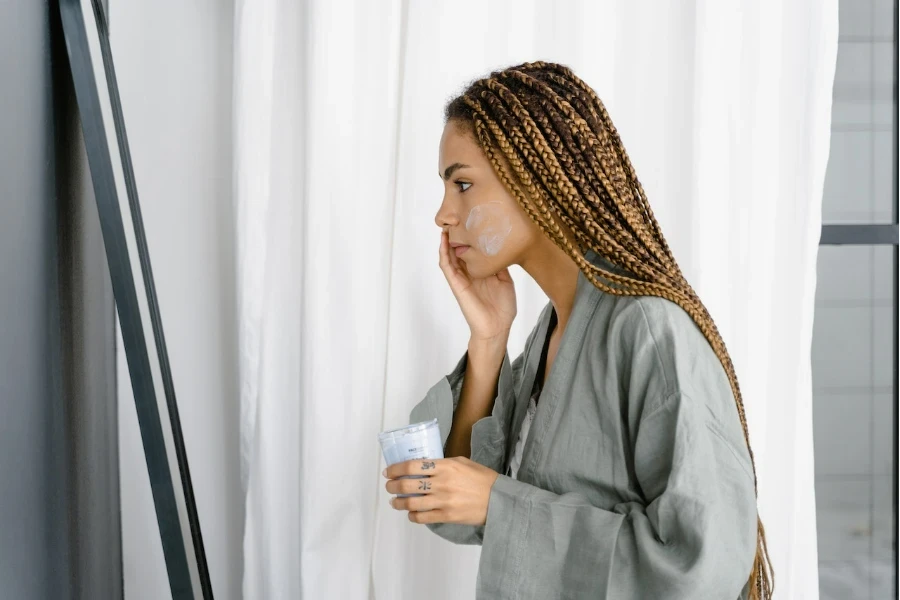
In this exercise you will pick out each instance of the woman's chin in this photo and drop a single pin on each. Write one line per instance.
(482, 267)
(475, 268)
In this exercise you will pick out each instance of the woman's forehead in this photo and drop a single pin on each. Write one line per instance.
(456, 146)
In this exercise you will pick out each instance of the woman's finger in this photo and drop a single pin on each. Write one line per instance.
(428, 466)
(455, 277)
(415, 503)
(443, 255)
(454, 259)
(410, 486)
(459, 265)
(435, 515)
(504, 275)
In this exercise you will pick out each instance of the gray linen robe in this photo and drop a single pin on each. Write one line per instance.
(635, 480)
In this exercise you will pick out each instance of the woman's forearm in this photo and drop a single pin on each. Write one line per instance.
(478, 392)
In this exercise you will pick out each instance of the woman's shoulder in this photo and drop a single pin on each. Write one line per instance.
(645, 319)
(642, 315)
(656, 317)
(657, 337)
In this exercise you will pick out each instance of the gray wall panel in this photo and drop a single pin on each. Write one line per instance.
(33, 525)
(60, 532)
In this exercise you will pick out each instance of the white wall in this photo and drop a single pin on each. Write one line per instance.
(173, 63)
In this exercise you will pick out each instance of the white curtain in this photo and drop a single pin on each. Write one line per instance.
(346, 321)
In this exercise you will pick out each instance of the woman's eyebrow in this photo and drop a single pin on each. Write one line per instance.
(454, 167)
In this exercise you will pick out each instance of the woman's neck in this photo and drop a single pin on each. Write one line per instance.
(557, 274)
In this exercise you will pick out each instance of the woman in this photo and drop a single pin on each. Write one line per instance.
(611, 459)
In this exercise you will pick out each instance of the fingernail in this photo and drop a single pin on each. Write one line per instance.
(384, 473)
(391, 501)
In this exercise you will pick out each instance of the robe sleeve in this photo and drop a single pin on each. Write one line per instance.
(693, 537)
(488, 434)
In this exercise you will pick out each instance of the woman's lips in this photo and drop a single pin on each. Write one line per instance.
(459, 249)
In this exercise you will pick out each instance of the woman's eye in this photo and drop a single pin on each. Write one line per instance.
(462, 183)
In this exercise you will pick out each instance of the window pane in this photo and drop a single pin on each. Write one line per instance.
(859, 179)
(853, 370)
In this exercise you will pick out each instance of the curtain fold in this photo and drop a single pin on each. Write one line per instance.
(345, 319)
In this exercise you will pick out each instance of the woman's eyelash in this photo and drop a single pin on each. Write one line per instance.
(463, 183)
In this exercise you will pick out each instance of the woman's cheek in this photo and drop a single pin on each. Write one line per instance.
(491, 225)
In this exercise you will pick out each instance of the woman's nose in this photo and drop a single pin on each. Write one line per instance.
(446, 216)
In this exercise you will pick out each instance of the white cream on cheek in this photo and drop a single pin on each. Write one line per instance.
(492, 226)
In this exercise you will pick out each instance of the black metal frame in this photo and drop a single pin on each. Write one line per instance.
(188, 575)
(862, 235)
(895, 214)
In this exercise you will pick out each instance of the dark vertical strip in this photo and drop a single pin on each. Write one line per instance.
(152, 301)
(126, 298)
(60, 503)
(88, 350)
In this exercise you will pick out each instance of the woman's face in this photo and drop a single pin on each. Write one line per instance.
(488, 229)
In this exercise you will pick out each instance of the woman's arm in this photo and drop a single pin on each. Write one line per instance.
(479, 390)
(487, 434)
(474, 401)
(694, 536)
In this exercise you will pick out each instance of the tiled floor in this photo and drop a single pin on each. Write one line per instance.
(856, 579)
(854, 525)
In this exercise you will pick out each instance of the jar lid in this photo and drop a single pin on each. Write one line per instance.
(408, 429)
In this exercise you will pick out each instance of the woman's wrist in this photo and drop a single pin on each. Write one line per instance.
(485, 358)
(488, 349)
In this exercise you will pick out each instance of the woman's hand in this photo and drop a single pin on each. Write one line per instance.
(489, 304)
(456, 491)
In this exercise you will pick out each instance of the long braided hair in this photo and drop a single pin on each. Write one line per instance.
(546, 125)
